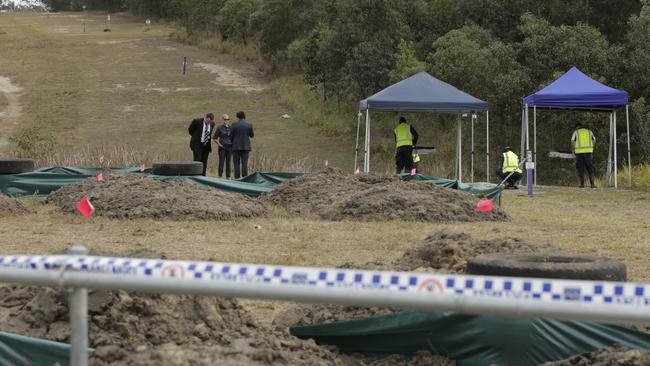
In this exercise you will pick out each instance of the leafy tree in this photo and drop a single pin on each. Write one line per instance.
(234, 19)
(471, 59)
(406, 64)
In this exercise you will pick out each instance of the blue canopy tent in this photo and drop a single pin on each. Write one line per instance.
(423, 93)
(576, 91)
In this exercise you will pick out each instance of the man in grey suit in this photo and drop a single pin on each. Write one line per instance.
(241, 134)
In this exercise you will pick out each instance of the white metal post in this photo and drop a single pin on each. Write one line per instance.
(472, 158)
(523, 132)
(366, 143)
(487, 149)
(78, 319)
(356, 146)
(629, 155)
(535, 144)
(608, 175)
(459, 153)
(615, 155)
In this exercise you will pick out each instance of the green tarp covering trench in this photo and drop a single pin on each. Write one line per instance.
(20, 350)
(471, 340)
(42, 181)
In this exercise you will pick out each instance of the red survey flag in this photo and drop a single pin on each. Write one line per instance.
(142, 168)
(484, 206)
(85, 208)
(414, 172)
(357, 171)
(100, 177)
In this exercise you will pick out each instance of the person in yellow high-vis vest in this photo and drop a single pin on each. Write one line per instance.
(509, 163)
(405, 138)
(582, 142)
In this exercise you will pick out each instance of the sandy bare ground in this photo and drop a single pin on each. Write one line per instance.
(232, 78)
(11, 113)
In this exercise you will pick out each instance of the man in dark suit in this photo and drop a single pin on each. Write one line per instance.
(201, 131)
(241, 133)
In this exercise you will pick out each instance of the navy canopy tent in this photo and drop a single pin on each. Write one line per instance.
(422, 93)
(576, 91)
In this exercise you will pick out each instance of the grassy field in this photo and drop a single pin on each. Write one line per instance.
(121, 93)
(125, 87)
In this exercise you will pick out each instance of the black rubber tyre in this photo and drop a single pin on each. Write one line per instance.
(548, 266)
(15, 166)
(174, 168)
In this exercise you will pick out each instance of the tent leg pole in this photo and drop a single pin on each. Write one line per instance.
(608, 175)
(523, 131)
(459, 152)
(472, 158)
(356, 146)
(535, 144)
(529, 172)
(629, 155)
(487, 149)
(615, 156)
(365, 144)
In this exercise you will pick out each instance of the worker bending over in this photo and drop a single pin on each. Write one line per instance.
(509, 163)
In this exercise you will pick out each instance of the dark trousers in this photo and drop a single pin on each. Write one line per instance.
(202, 156)
(240, 160)
(514, 178)
(584, 162)
(225, 157)
(403, 159)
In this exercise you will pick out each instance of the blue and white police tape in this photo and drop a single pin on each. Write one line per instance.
(587, 292)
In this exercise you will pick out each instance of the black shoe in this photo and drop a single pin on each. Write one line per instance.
(581, 186)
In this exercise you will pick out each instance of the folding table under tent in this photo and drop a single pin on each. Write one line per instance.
(424, 93)
(578, 92)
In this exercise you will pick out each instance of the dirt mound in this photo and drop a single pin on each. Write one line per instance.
(444, 251)
(448, 252)
(302, 314)
(143, 329)
(11, 206)
(332, 195)
(610, 356)
(138, 196)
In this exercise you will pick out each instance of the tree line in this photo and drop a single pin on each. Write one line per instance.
(496, 50)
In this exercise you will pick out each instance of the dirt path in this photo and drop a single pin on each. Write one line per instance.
(10, 114)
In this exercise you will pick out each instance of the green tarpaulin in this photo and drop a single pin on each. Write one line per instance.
(472, 340)
(20, 350)
(42, 181)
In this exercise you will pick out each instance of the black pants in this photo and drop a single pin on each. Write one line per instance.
(514, 178)
(225, 157)
(240, 160)
(403, 159)
(202, 156)
(584, 162)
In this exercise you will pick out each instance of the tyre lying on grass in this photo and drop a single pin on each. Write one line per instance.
(175, 168)
(16, 166)
(548, 266)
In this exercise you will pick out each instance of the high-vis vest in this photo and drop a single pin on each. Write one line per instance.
(584, 143)
(403, 135)
(510, 162)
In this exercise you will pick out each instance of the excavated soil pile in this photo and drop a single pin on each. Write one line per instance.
(448, 252)
(610, 356)
(11, 206)
(142, 329)
(138, 196)
(332, 195)
(444, 251)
